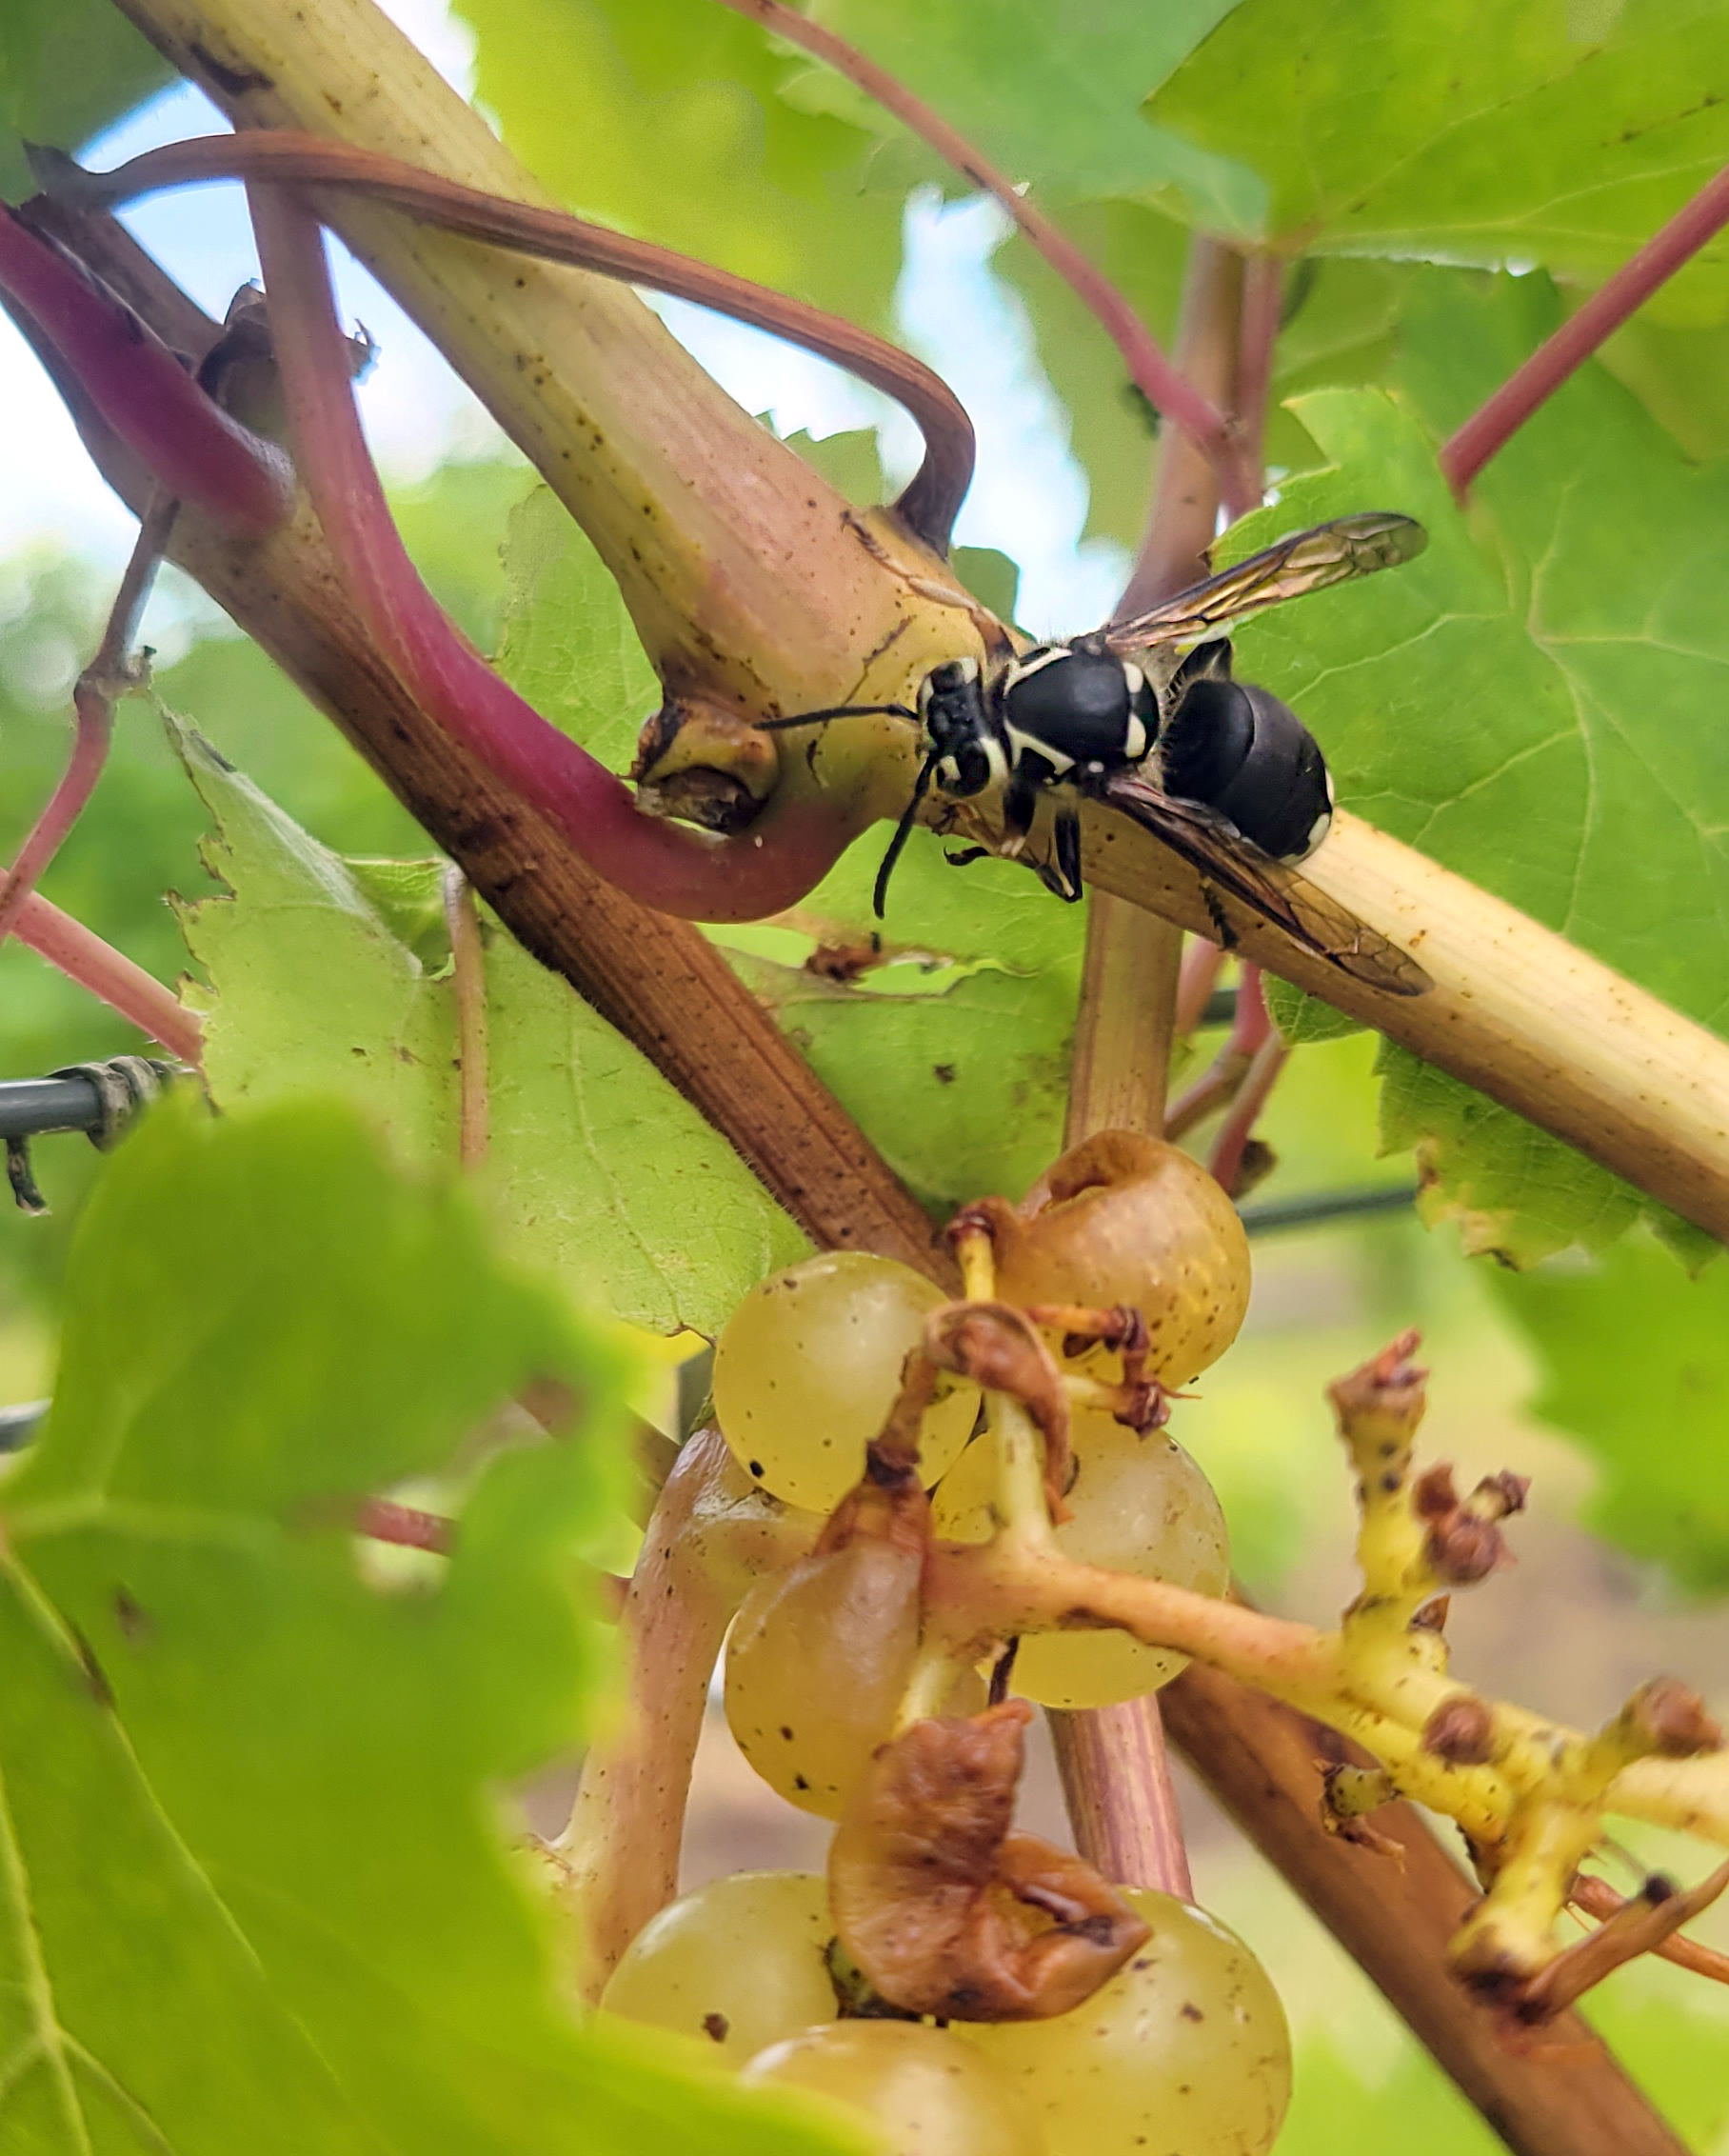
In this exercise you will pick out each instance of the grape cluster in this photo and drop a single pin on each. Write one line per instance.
(1185, 2048)
(1122, 1275)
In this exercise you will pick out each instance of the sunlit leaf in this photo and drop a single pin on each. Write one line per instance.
(1476, 132)
(1536, 700)
(68, 69)
(596, 1167)
(1051, 94)
(257, 1894)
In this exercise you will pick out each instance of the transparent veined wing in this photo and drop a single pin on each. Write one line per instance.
(1281, 895)
(1307, 561)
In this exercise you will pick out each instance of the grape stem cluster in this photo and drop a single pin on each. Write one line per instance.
(1531, 1796)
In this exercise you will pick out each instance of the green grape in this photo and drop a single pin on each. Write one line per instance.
(1185, 2048)
(739, 1963)
(817, 1662)
(929, 2093)
(809, 1367)
(1139, 1504)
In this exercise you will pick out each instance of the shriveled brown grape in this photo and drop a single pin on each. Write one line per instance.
(1127, 1219)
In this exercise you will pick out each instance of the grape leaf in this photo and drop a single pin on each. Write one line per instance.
(253, 1891)
(953, 1055)
(1513, 1191)
(1480, 134)
(1050, 94)
(68, 69)
(1635, 1366)
(596, 1166)
(1536, 700)
(666, 121)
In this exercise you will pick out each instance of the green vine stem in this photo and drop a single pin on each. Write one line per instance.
(665, 985)
(1516, 1010)
(711, 1536)
(1116, 1778)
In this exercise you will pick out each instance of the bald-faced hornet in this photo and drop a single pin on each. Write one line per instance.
(1145, 715)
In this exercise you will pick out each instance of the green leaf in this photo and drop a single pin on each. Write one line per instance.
(68, 69)
(1535, 700)
(1050, 94)
(953, 1054)
(567, 643)
(596, 1167)
(1514, 1192)
(1477, 133)
(254, 1890)
(666, 121)
(1634, 1359)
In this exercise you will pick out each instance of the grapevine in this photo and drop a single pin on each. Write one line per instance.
(942, 1481)
(1116, 2012)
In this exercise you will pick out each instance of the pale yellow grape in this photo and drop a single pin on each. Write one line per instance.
(929, 2093)
(817, 1662)
(1140, 1505)
(809, 1367)
(738, 1964)
(1185, 2050)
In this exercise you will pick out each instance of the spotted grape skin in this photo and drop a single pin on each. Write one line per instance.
(927, 2092)
(1185, 2048)
(808, 1366)
(1138, 1504)
(739, 1963)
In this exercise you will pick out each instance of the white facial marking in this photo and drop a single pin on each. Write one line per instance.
(1035, 661)
(1020, 743)
(1134, 740)
(1132, 675)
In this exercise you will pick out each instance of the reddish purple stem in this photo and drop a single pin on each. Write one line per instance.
(93, 729)
(82, 955)
(1490, 429)
(99, 687)
(196, 451)
(666, 866)
(406, 1525)
(1165, 388)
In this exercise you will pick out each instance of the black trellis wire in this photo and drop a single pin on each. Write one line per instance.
(99, 1098)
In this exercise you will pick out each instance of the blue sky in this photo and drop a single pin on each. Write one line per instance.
(1029, 499)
